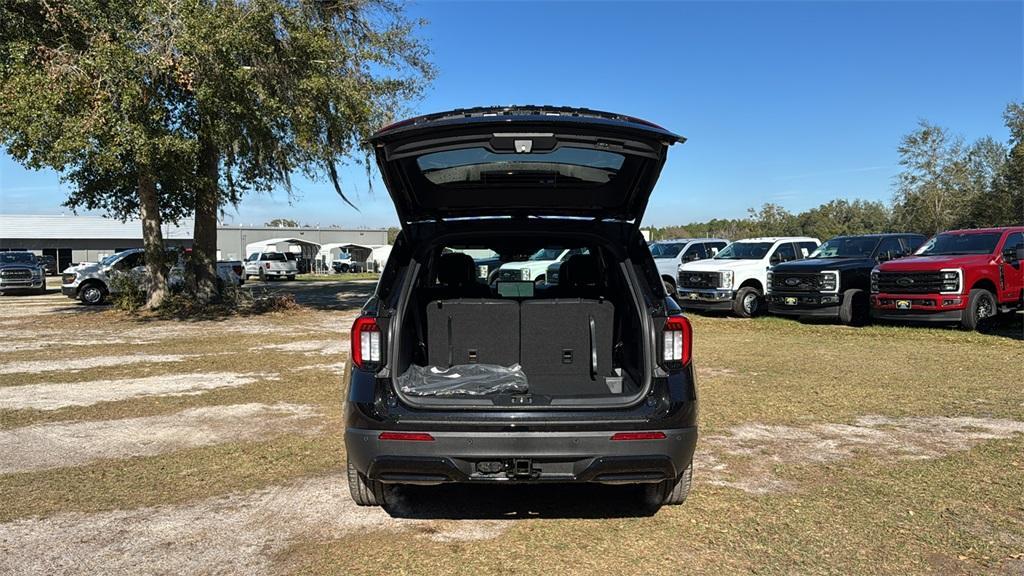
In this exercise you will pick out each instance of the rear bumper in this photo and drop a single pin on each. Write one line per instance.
(923, 307)
(521, 457)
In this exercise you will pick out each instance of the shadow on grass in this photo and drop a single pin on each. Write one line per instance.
(512, 502)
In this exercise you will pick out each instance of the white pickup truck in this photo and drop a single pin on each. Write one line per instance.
(669, 254)
(735, 279)
(270, 265)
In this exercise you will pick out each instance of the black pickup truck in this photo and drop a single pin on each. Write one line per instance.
(835, 280)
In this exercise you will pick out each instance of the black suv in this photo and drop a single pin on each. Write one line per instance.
(455, 380)
(835, 280)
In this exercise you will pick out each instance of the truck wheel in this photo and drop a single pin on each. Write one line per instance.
(365, 492)
(748, 302)
(854, 309)
(263, 275)
(670, 288)
(980, 312)
(93, 294)
(668, 492)
(344, 268)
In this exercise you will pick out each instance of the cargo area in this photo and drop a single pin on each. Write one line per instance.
(572, 337)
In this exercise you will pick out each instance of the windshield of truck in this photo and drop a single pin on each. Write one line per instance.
(667, 250)
(546, 254)
(951, 243)
(745, 251)
(17, 258)
(109, 260)
(854, 247)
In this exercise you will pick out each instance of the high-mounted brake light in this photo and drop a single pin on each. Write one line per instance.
(365, 342)
(638, 436)
(677, 341)
(406, 436)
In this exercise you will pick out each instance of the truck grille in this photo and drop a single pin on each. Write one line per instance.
(699, 279)
(16, 274)
(910, 282)
(510, 275)
(796, 282)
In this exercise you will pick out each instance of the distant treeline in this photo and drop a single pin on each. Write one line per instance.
(944, 183)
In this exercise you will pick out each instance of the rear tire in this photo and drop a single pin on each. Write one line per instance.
(980, 312)
(365, 492)
(854, 309)
(263, 275)
(748, 302)
(669, 492)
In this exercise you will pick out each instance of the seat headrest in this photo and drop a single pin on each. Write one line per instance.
(578, 270)
(456, 269)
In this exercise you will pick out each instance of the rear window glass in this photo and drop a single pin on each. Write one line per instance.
(275, 256)
(480, 165)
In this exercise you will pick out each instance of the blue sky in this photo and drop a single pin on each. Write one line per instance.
(794, 103)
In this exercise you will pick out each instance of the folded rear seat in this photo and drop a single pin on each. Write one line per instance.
(472, 331)
(567, 345)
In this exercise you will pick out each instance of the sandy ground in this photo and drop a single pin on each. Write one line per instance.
(73, 364)
(745, 456)
(62, 444)
(53, 396)
(233, 534)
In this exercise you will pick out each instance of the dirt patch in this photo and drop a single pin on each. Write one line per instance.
(61, 395)
(703, 372)
(74, 364)
(325, 347)
(63, 444)
(234, 534)
(745, 457)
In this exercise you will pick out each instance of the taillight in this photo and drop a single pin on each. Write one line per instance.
(677, 341)
(365, 342)
(266, 265)
(638, 436)
(406, 436)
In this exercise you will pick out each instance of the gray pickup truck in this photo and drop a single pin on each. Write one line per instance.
(91, 283)
(21, 271)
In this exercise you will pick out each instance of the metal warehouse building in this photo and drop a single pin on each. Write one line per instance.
(72, 239)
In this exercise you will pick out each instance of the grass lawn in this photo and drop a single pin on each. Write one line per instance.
(824, 449)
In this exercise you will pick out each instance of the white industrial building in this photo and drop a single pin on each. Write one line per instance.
(73, 239)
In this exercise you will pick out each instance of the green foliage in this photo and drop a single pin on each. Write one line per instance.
(282, 223)
(826, 221)
(126, 293)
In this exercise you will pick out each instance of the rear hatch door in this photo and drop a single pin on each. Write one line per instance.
(521, 161)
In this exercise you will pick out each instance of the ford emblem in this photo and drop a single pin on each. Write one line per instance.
(792, 281)
(694, 278)
(904, 281)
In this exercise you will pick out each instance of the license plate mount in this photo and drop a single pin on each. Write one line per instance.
(903, 304)
(790, 301)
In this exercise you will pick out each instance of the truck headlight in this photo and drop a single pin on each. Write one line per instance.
(524, 274)
(830, 281)
(68, 278)
(874, 281)
(951, 281)
(726, 279)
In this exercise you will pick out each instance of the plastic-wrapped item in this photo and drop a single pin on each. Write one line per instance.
(468, 379)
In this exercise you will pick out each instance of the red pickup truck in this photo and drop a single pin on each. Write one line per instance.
(965, 276)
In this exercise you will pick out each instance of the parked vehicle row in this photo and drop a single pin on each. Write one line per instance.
(966, 277)
(93, 283)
